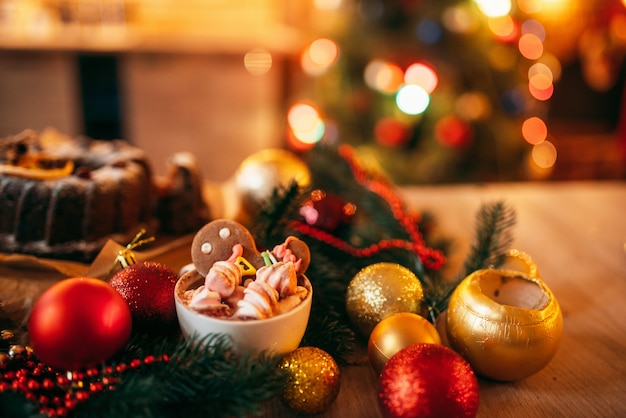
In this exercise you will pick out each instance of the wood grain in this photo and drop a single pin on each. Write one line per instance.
(576, 233)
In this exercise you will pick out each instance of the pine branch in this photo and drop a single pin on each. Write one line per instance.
(494, 222)
(269, 224)
(493, 236)
(202, 378)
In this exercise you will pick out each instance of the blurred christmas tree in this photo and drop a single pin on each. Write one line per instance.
(431, 90)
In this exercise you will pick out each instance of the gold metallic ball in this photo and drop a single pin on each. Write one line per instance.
(379, 291)
(313, 380)
(396, 332)
(506, 325)
(262, 172)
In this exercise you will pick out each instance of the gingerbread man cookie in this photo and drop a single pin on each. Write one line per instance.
(217, 239)
(240, 281)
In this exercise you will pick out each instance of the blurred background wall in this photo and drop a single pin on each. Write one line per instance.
(223, 79)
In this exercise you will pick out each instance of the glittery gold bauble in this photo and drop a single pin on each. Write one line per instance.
(313, 380)
(379, 291)
(262, 172)
(396, 332)
(507, 325)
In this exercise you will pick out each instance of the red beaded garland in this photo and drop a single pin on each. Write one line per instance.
(431, 258)
(57, 393)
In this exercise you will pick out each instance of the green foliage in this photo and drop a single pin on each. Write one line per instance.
(493, 237)
(202, 378)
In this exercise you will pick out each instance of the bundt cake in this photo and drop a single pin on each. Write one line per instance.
(63, 197)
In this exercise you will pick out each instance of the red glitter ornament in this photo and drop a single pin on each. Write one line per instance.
(148, 288)
(326, 211)
(427, 380)
(79, 322)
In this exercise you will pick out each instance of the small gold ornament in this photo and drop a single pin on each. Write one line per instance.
(261, 173)
(397, 332)
(507, 325)
(313, 380)
(379, 291)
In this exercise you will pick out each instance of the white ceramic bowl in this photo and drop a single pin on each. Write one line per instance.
(279, 334)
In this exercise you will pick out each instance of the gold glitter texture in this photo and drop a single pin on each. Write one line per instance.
(379, 291)
(313, 380)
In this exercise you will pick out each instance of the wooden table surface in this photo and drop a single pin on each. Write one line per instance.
(576, 234)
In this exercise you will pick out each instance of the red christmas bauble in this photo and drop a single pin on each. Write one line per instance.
(79, 322)
(326, 211)
(148, 288)
(427, 380)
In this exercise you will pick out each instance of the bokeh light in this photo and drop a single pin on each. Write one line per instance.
(257, 61)
(412, 99)
(540, 69)
(459, 19)
(421, 75)
(530, 6)
(319, 56)
(323, 52)
(534, 130)
(534, 27)
(541, 94)
(530, 46)
(544, 154)
(553, 64)
(328, 4)
(429, 31)
(392, 132)
(473, 106)
(503, 27)
(494, 8)
(383, 76)
(453, 132)
(305, 124)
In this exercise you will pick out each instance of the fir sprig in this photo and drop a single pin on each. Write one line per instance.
(202, 378)
(493, 237)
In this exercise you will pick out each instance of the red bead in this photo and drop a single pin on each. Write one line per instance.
(95, 387)
(47, 383)
(82, 395)
(70, 403)
(135, 363)
(148, 360)
(33, 385)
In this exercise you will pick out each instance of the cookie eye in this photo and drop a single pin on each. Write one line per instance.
(224, 233)
(206, 248)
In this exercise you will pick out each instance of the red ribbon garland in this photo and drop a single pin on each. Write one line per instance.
(431, 258)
